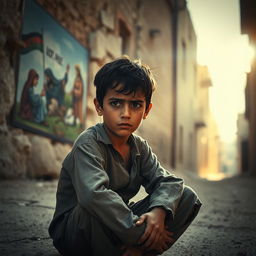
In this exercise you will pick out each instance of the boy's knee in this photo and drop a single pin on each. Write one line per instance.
(189, 194)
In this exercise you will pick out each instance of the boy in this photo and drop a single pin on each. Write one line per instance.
(106, 168)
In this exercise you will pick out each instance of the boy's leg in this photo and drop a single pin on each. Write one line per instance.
(85, 235)
(186, 212)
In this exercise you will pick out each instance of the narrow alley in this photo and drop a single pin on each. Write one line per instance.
(203, 57)
(225, 225)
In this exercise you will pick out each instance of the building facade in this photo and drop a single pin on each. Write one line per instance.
(207, 137)
(242, 144)
(248, 26)
(186, 79)
(159, 32)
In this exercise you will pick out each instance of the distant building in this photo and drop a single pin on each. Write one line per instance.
(242, 144)
(248, 26)
(184, 91)
(207, 138)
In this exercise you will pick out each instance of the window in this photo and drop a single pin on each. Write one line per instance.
(125, 34)
(184, 59)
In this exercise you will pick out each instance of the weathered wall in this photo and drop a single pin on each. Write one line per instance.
(186, 85)
(97, 25)
(17, 147)
(156, 51)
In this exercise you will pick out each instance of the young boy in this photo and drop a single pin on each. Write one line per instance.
(106, 168)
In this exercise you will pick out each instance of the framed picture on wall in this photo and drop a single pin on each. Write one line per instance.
(52, 78)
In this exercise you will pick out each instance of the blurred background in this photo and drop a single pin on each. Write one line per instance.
(202, 125)
(202, 53)
(223, 45)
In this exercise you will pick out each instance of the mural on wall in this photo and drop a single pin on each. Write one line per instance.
(52, 78)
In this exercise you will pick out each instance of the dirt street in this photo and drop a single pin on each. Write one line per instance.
(226, 224)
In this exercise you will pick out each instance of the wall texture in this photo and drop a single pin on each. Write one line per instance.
(186, 97)
(108, 29)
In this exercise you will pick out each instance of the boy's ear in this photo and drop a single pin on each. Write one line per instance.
(147, 111)
(97, 107)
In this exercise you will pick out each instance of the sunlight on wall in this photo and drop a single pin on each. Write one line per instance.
(226, 53)
(227, 96)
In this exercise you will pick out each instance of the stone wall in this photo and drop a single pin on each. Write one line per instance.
(92, 22)
(97, 25)
(15, 146)
(156, 51)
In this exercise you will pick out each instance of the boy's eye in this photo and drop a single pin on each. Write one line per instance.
(136, 104)
(115, 103)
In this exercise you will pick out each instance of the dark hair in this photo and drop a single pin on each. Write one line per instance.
(132, 75)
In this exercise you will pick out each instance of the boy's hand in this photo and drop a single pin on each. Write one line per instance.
(155, 237)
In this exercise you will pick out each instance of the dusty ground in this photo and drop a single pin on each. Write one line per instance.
(226, 224)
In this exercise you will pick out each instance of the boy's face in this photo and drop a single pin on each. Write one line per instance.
(122, 114)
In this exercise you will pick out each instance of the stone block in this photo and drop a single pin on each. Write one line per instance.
(42, 162)
(98, 44)
(108, 19)
(114, 45)
(61, 151)
(7, 88)
(14, 153)
(70, 6)
(93, 69)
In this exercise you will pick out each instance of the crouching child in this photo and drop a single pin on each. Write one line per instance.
(106, 168)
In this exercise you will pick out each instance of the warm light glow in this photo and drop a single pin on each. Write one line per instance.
(229, 79)
(203, 140)
(214, 176)
(250, 53)
(227, 54)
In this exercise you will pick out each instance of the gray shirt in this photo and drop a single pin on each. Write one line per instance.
(94, 176)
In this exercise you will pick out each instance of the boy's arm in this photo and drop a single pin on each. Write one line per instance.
(91, 184)
(165, 189)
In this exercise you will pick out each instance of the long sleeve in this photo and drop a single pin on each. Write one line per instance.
(91, 184)
(165, 189)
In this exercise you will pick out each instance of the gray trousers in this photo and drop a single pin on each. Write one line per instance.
(84, 235)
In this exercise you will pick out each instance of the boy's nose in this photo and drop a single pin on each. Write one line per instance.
(126, 111)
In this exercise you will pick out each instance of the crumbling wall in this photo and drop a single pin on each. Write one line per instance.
(97, 25)
(93, 24)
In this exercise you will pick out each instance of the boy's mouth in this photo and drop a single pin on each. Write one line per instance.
(124, 125)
